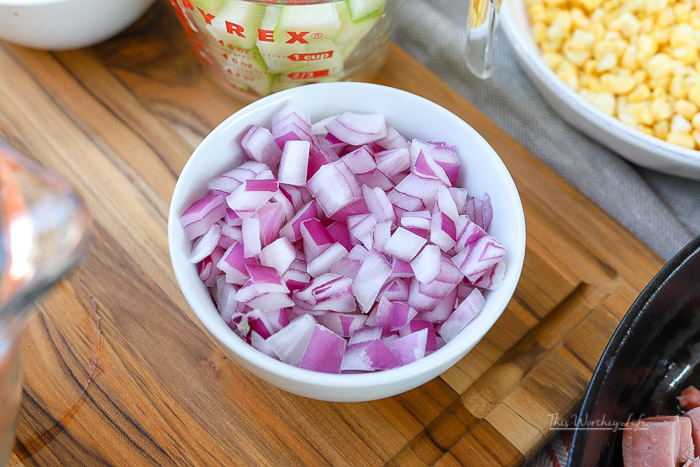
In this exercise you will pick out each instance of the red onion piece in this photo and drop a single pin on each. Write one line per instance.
(325, 260)
(401, 314)
(251, 236)
(426, 265)
(292, 229)
(417, 325)
(260, 146)
(316, 239)
(393, 139)
(279, 255)
(395, 290)
(205, 245)
(368, 356)
(370, 279)
(365, 334)
(404, 245)
(410, 348)
(294, 163)
(290, 342)
(201, 215)
(324, 352)
(343, 324)
(463, 315)
(358, 129)
(478, 257)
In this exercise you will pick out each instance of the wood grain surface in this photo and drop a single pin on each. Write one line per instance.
(117, 369)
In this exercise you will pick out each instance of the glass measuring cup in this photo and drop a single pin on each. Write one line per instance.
(42, 231)
(253, 48)
(481, 30)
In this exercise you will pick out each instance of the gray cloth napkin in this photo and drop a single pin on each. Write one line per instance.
(662, 210)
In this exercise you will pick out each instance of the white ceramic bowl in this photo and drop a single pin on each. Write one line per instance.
(66, 24)
(412, 115)
(630, 143)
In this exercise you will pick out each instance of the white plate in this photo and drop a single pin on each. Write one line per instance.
(628, 142)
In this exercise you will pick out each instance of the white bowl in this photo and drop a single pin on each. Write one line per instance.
(628, 142)
(66, 24)
(412, 115)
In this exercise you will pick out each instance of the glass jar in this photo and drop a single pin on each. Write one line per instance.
(42, 232)
(255, 48)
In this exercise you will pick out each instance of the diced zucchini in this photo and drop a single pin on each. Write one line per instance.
(351, 33)
(244, 19)
(317, 20)
(275, 53)
(363, 9)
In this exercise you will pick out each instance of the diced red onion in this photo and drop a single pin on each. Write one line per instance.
(330, 292)
(393, 161)
(381, 235)
(339, 231)
(463, 315)
(379, 205)
(478, 257)
(251, 236)
(292, 229)
(426, 265)
(492, 278)
(279, 255)
(271, 217)
(316, 239)
(361, 229)
(294, 163)
(393, 139)
(333, 191)
(401, 314)
(260, 146)
(358, 129)
(201, 215)
(368, 356)
(404, 245)
(290, 342)
(443, 231)
(234, 264)
(395, 290)
(204, 246)
(324, 352)
(325, 260)
(365, 334)
(208, 269)
(343, 324)
(370, 279)
(417, 325)
(410, 348)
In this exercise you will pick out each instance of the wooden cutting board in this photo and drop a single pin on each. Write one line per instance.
(117, 369)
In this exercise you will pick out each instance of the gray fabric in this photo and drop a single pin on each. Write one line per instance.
(663, 211)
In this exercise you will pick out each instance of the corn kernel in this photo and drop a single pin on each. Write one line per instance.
(645, 129)
(661, 109)
(694, 94)
(655, 6)
(605, 101)
(681, 139)
(647, 47)
(606, 63)
(617, 84)
(641, 112)
(629, 25)
(696, 136)
(567, 73)
(679, 124)
(661, 129)
(629, 57)
(677, 87)
(640, 93)
(685, 108)
(660, 65)
(552, 59)
(696, 121)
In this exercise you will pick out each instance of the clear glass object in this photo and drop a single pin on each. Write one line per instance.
(42, 232)
(254, 48)
(481, 30)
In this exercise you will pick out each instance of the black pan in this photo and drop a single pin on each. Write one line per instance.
(653, 355)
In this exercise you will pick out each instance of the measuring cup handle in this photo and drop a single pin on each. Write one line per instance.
(481, 28)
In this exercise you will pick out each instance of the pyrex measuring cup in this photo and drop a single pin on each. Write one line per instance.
(42, 229)
(256, 47)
